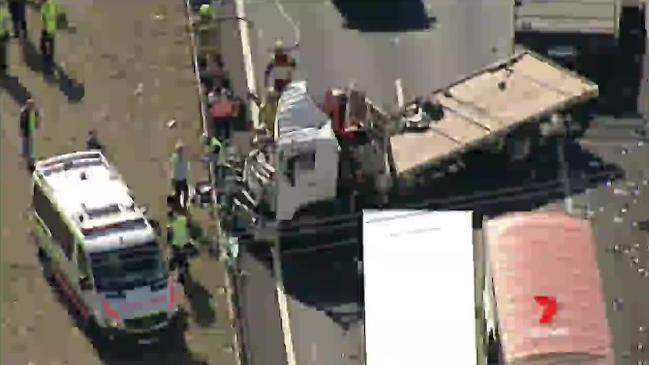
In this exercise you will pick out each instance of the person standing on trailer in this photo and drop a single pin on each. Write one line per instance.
(49, 18)
(180, 174)
(17, 10)
(29, 122)
(280, 68)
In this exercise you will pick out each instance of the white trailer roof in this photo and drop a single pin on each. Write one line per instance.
(298, 114)
(419, 287)
(476, 108)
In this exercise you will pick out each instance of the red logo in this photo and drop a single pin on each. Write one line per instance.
(549, 306)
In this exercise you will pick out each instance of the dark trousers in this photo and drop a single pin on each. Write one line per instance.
(4, 49)
(181, 191)
(17, 10)
(223, 127)
(47, 49)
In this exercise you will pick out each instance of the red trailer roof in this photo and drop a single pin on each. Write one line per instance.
(548, 254)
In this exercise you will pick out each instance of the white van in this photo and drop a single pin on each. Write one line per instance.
(99, 247)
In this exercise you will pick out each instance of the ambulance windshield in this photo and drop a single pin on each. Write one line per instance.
(129, 268)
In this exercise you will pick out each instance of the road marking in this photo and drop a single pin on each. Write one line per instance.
(314, 352)
(247, 58)
(283, 305)
(568, 203)
(399, 86)
(289, 19)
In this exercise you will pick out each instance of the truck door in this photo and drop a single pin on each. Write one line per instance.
(84, 282)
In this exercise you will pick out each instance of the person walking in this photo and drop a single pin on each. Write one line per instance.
(49, 18)
(4, 38)
(29, 123)
(180, 174)
(18, 19)
(92, 143)
(179, 238)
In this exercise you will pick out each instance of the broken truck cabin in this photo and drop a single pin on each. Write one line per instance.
(321, 158)
(534, 260)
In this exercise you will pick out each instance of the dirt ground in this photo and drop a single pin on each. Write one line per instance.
(111, 49)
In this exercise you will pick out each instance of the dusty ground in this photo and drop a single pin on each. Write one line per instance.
(111, 47)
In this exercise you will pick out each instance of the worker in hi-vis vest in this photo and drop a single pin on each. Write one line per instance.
(29, 123)
(4, 38)
(179, 238)
(49, 18)
(205, 12)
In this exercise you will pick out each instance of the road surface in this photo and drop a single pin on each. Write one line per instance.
(613, 209)
(440, 41)
(111, 48)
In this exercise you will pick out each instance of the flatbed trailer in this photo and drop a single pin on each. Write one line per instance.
(487, 105)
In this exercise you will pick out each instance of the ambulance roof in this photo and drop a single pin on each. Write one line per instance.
(91, 194)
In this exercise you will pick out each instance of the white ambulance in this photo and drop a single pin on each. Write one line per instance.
(98, 247)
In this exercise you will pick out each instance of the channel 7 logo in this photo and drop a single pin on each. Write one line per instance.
(548, 306)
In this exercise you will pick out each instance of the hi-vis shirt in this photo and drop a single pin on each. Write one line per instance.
(49, 16)
(180, 229)
(4, 23)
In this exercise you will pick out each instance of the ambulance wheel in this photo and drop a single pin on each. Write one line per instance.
(90, 328)
(46, 265)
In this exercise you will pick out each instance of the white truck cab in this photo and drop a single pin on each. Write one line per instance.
(99, 248)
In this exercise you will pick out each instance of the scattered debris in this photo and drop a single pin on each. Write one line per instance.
(171, 123)
(139, 89)
(618, 219)
(618, 304)
(620, 192)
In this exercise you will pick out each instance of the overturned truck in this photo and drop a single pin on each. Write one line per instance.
(321, 155)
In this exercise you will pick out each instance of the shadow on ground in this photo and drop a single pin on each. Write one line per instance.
(15, 89)
(73, 89)
(200, 302)
(384, 15)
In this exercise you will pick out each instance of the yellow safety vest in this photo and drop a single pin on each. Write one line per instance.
(4, 23)
(267, 113)
(214, 142)
(180, 231)
(49, 16)
(33, 120)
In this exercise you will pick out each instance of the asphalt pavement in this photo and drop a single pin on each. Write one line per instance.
(613, 208)
(425, 43)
